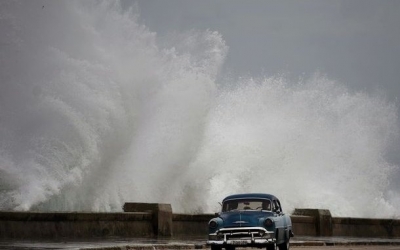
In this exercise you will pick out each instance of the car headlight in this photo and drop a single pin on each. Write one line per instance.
(213, 224)
(268, 222)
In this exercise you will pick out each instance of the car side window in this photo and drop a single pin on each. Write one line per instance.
(279, 205)
(276, 206)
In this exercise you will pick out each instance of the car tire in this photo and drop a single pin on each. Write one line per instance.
(271, 247)
(214, 247)
(285, 245)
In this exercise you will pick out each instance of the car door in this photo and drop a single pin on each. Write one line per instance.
(281, 224)
(286, 223)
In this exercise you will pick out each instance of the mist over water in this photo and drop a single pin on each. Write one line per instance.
(94, 112)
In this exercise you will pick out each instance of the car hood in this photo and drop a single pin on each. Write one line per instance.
(243, 218)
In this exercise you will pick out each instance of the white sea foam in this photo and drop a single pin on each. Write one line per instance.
(94, 113)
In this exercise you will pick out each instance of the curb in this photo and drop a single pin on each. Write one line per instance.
(149, 247)
(307, 243)
(364, 243)
(204, 246)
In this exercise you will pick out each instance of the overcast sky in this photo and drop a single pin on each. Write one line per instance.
(354, 42)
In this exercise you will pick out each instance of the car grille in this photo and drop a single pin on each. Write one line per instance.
(243, 233)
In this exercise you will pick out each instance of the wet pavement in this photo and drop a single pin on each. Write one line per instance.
(194, 243)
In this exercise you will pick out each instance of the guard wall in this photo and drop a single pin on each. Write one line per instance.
(364, 227)
(35, 225)
(157, 220)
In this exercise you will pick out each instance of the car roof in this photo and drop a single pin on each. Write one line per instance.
(250, 195)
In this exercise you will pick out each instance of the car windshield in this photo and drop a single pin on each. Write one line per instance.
(246, 204)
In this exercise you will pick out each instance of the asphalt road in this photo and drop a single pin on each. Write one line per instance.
(301, 243)
(376, 247)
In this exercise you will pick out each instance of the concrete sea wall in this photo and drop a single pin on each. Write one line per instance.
(34, 225)
(157, 220)
(362, 227)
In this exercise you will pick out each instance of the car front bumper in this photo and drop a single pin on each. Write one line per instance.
(241, 242)
(242, 236)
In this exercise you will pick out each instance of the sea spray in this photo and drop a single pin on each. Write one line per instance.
(94, 113)
(313, 144)
(103, 117)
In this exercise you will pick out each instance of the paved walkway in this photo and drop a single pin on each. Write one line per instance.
(154, 244)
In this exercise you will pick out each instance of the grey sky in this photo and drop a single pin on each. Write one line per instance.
(355, 42)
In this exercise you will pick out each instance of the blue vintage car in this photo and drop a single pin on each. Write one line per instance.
(250, 220)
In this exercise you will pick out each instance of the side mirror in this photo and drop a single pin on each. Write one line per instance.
(216, 214)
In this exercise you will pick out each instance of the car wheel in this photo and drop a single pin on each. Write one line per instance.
(271, 247)
(213, 247)
(285, 245)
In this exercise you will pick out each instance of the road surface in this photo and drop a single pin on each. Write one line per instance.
(300, 243)
(375, 247)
